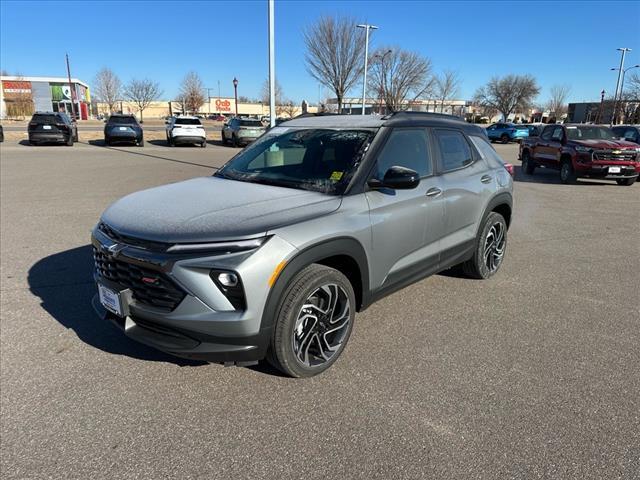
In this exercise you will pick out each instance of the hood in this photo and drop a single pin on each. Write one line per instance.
(213, 209)
(606, 144)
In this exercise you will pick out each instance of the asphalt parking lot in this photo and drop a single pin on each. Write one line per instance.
(532, 374)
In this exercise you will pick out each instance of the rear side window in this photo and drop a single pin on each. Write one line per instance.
(557, 134)
(406, 147)
(188, 121)
(487, 151)
(454, 150)
(546, 134)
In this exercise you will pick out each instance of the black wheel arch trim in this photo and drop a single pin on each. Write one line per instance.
(502, 198)
(347, 246)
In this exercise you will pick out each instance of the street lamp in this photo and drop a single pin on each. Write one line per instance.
(382, 82)
(624, 51)
(235, 90)
(366, 27)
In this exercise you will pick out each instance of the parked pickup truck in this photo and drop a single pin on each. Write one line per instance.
(581, 151)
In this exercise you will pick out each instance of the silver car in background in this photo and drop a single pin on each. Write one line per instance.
(242, 131)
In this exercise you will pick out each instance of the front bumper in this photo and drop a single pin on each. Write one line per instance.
(602, 170)
(204, 325)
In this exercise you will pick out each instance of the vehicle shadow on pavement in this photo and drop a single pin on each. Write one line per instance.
(549, 176)
(100, 143)
(64, 283)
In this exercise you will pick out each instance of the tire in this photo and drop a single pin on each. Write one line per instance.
(297, 347)
(170, 142)
(528, 166)
(107, 141)
(567, 174)
(486, 263)
(140, 143)
(504, 138)
(203, 144)
(234, 140)
(224, 139)
(69, 142)
(626, 181)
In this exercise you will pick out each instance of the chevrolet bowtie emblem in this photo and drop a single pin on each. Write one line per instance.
(115, 248)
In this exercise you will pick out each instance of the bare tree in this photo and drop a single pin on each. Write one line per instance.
(508, 94)
(447, 87)
(289, 108)
(400, 77)
(108, 88)
(264, 92)
(142, 93)
(192, 93)
(632, 87)
(557, 103)
(335, 50)
(19, 100)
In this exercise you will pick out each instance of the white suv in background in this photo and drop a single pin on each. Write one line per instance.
(185, 130)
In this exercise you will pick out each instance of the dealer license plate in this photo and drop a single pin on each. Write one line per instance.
(46, 127)
(110, 300)
(614, 169)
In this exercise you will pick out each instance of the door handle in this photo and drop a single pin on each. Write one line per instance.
(433, 192)
(486, 178)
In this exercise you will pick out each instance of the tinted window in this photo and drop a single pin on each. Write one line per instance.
(188, 121)
(122, 120)
(454, 149)
(557, 134)
(405, 148)
(250, 123)
(46, 118)
(546, 134)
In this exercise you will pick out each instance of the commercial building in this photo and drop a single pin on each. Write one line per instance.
(376, 105)
(21, 96)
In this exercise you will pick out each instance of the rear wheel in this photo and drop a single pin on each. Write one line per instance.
(527, 164)
(314, 322)
(567, 174)
(224, 139)
(491, 245)
(504, 138)
(170, 142)
(204, 144)
(69, 141)
(234, 140)
(626, 181)
(140, 143)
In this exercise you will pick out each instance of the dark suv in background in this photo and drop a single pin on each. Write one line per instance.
(122, 128)
(52, 127)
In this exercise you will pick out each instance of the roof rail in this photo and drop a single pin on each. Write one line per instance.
(426, 114)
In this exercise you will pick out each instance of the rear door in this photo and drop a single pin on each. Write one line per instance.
(554, 148)
(541, 151)
(466, 179)
(406, 224)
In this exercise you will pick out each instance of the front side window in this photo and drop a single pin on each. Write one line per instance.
(546, 134)
(557, 134)
(454, 150)
(317, 159)
(406, 147)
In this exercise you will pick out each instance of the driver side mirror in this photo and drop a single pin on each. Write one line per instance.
(397, 178)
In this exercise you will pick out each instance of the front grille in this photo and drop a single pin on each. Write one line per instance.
(606, 155)
(135, 242)
(158, 291)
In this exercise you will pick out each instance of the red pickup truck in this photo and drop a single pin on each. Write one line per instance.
(581, 151)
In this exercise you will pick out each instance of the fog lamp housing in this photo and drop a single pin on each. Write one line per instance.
(230, 284)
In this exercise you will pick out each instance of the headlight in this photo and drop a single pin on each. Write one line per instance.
(219, 247)
(582, 149)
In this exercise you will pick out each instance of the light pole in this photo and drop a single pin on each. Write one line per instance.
(235, 90)
(601, 104)
(382, 80)
(366, 27)
(624, 51)
(272, 68)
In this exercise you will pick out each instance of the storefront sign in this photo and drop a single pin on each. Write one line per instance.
(223, 105)
(60, 91)
(12, 89)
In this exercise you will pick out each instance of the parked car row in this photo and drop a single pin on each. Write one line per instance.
(577, 150)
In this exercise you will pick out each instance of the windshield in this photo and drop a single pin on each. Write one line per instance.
(188, 121)
(321, 160)
(122, 120)
(590, 133)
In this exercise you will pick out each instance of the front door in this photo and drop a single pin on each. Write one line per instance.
(406, 224)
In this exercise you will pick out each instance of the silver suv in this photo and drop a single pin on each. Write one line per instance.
(272, 256)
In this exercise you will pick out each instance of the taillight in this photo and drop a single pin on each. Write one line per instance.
(511, 169)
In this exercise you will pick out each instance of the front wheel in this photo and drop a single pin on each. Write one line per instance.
(527, 164)
(491, 245)
(314, 322)
(567, 174)
(140, 143)
(626, 181)
(504, 138)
